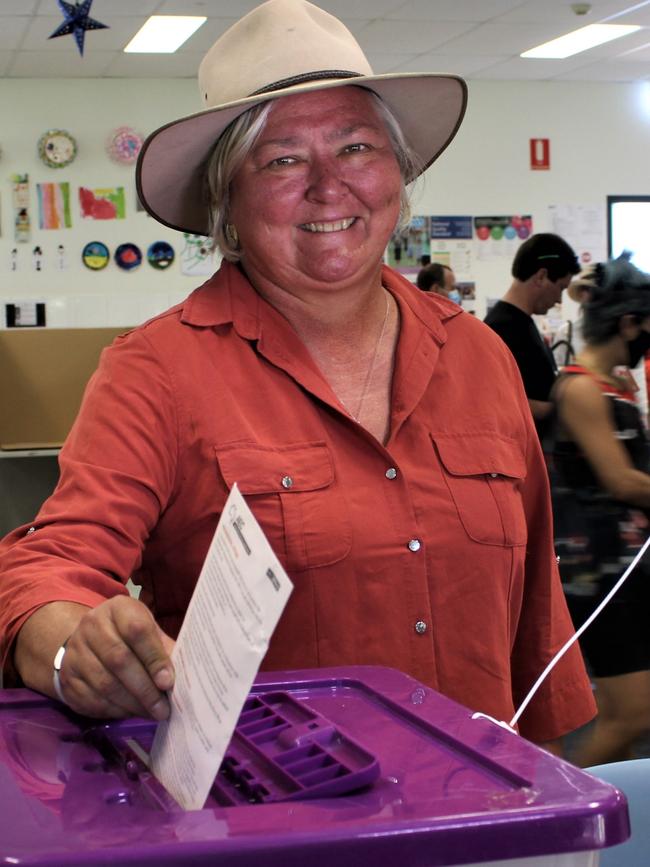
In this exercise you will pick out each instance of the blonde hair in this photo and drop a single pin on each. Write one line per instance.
(580, 288)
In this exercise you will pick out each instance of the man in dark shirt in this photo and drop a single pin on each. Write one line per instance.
(542, 268)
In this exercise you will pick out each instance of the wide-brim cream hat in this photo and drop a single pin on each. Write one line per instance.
(281, 48)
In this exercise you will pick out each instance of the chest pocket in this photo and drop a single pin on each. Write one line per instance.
(292, 492)
(484, 473)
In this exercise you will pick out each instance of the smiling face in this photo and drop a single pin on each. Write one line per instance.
(318, 197)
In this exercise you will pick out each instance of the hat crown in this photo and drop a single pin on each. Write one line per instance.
(281, 41)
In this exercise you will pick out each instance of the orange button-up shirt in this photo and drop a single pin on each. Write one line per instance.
(432, 554)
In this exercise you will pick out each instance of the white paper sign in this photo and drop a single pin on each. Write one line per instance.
(236, 604)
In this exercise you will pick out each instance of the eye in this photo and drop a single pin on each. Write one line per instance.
(357, 148)
(281, 162)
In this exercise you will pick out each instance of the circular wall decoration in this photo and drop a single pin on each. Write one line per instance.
(123, 145)
(95, 255)
(160, 255)
(128, 257)
(57, 148)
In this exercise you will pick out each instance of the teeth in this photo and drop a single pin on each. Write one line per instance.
(337, 226)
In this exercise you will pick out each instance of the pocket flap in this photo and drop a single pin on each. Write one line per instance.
(292, 468)
(469, 454)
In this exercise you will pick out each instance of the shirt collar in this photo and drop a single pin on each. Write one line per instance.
(228, 297)
(431, 309)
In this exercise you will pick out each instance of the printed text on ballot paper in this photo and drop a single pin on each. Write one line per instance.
(236, 604)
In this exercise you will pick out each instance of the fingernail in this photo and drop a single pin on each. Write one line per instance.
(160, 710)
(164, 679)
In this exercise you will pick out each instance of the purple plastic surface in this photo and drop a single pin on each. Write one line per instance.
(451, 790)
(280, 750)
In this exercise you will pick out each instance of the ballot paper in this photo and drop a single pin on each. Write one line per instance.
(237, 602)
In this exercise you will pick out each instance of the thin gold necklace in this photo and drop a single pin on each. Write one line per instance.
(371, 369)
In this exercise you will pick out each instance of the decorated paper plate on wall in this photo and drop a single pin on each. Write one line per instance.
(57, 148)
(128, 257)
(160, 255)
(123, 145)
(95, 255)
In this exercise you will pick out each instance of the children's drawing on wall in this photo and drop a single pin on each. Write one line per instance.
(128, 256)
(408, 246)
(37, 258)
(54, 206)
(106, 203)
(61, 260)
(196, 256)
(95, 255)
(160, 255)
(20, 199)
(499, 237)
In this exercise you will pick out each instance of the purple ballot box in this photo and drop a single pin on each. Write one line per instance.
(343, 767)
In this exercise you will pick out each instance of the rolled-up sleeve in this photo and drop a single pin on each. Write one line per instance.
(117, 471)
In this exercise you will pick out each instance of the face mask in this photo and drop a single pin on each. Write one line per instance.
(638, 347)
(454, 295)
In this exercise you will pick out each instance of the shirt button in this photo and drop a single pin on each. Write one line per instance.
(287, 481)
(414, 545)
(33, 530)
(420, 627)
(391, 473)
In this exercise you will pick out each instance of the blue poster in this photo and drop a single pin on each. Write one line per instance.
(456, 228)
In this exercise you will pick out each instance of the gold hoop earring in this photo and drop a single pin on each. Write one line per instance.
(231, 235)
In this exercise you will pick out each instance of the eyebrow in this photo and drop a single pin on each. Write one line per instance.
(288, 141)
(354, 127)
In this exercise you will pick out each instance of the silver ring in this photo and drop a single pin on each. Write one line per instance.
(58, 663)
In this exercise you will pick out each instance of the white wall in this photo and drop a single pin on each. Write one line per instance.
(89, 109)
(600, 137)
(599, 134)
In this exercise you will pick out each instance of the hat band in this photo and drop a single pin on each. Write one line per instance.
(305, 77)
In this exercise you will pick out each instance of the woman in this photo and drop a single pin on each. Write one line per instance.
(381, 437)
(601, 493)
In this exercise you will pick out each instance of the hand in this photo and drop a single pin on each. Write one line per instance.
(117, 662)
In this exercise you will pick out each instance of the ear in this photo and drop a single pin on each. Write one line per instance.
(628, 327)
(540, 275)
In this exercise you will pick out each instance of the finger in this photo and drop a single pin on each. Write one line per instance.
(90, 688)
(121, 670)
(167, 642)
(147, 641)
(127, 674)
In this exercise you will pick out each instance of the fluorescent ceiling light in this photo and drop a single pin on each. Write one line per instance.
(580, 40)
(163, 34)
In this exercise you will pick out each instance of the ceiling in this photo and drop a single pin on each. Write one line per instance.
(478, 39)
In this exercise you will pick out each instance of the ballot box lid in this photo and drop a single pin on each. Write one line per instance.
(423, 782)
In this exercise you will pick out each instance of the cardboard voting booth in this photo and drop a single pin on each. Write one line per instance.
(43, 373)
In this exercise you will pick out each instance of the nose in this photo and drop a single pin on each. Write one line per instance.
(325, 183)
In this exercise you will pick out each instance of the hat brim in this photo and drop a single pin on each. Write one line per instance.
(170, 174)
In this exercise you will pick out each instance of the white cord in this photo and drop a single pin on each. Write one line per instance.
(558, 656)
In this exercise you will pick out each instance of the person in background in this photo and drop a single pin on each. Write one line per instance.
(600, 475)
(379, 434)
(646, 367)
(542, 268)
(440, 279)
